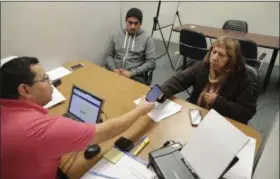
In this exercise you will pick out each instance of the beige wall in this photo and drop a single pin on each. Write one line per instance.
(60, 31)
(57, 32)
(262, 17)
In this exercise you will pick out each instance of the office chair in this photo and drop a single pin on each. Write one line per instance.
(249, 51)
(192, 45)
(254, 77)
(236, 25)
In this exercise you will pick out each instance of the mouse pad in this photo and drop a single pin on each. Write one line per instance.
(113, 155)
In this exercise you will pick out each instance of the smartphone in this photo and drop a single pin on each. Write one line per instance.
(154, 93)
(124, 144)
(75, 67)
(195, 116)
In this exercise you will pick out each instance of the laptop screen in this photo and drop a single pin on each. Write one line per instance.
(85, 106)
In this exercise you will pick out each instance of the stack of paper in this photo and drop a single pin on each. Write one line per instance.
(243, 168)
(162, 110)
(213, 146)
(126, 168)
(57, 97)
(104, 168)
(58, 73)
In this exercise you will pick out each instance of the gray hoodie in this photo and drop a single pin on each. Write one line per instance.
(134, 53)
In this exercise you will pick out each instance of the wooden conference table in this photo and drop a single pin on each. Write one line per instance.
(119, 94)
(265, 41)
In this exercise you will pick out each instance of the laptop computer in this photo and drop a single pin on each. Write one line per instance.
(84, 107)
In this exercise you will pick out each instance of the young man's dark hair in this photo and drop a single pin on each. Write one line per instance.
(16, 72)
(134, 12)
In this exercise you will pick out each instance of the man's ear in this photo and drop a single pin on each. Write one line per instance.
(24, 91)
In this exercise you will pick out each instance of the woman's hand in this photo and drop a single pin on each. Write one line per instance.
(210, 98)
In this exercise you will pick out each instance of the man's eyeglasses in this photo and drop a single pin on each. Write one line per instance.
(131, 22)
(46, 78)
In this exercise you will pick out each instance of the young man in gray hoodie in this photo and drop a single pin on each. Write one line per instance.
(131, 51)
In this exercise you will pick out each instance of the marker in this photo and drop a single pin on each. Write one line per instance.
(140, 146)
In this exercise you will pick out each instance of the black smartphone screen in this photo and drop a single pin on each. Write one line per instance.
(154, 93)
(124, 144)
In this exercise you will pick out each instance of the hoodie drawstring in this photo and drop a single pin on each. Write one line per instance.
(126, 52)
(124, 44)
(133, 42)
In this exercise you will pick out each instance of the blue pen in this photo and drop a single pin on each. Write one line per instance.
(101, 175)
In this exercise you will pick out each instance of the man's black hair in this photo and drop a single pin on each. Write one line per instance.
(134, 12)
(16, 72)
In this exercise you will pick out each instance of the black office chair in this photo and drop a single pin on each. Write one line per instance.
(236, 25)
(192, 48)
(254, 76)
(249, 51)
(192, 45)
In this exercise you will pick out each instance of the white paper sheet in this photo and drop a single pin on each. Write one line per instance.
(136, 169)
(58, 73)
(125, 168)
(104, 167)
(163, 110)
(213, 145)
(57, 97)
(243, 168)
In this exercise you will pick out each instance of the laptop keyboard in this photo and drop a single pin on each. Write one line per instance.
(71, 117)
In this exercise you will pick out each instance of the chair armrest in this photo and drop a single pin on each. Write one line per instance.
(193, 46)
(261, 57)
(259, 63)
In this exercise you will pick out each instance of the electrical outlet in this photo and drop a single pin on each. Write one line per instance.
(177, 54)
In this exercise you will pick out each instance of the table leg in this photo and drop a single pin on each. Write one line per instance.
(269, 70)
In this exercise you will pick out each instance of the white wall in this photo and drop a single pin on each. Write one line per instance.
(262, 17)
(57, 32)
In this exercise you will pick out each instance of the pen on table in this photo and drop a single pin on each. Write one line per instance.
(101, 175)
